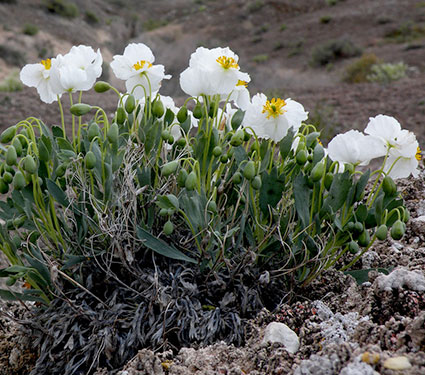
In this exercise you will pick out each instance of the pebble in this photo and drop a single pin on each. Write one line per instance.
(281, 333)
(397, 363)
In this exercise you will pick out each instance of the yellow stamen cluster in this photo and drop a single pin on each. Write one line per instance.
(140, 64)
(274, 107)
(46, 63)
(418, 155)
(227, 62)
(242, 83)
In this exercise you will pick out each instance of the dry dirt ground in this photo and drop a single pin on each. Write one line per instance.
(275, 42)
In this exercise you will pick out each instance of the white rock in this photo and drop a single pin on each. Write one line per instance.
(279, 332)
(357, 368)
(397, 363)
(399, 278)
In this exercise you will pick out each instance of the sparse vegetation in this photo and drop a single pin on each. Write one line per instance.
(296, 48)
(406, 32)
(261, 58)
(387, 72)
(359, 70)
(256, 5)
(62, 8)
(334, 50)
(283, 27)
(333, 2)
(92, 18)
(152, 24)
(11, 83)
(324, 118)
(30, 29)
(325, 19)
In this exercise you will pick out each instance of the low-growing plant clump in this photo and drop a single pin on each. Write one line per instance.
(165, 226)
(334, 50)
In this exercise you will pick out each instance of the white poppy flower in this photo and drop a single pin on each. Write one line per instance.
(136, 68)
(271, 119)
(400, 144)
(354, 147)
(212, 71)
(240, 95)
(39, 76)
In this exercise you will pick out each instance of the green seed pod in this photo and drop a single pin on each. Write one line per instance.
(197, 111)
(94, 131)
(249, 170)
(301, 157)
(168, 228)
(7, 177)
(237, 138)
(11, 156)
(191, 181)
(256, 183)
(381, 232)
(4, 187)
(237, 178)
(120, 116)
(358, 227)
(8, 134)
(317, 172)
(217, 151)
(397, 230)
(113, 133)
(353, 247)
(19, 181)
(212, 207)
(18, 146)
(165, 134)
(328, 180)
(181, 142)
(30, 165)
(182, 115)
(130, 104)
(60, 170)
(364, 238)
(101, 86)
(181, 178)
(80, 109)
(389, 186)
(169, 168)
(158, 109)
(90, 160)
(224, 159)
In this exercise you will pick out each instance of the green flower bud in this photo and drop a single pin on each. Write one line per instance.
(217, 151)
(197, 111)
(7, 177)
(11, 156)
(349, 167)
(8, 134)
(397, 230)
(317, 171)
(4, 187)
(163, 212)
(101, 86)
(328, 180)
(18, 146)
(94, 131)
(30, 165)
(237, 138)
(181, 142)
(182, 115)
(381, 232)
(212, 207)
(406, 215)
(237, 178)
(168, 228)
(158, 109)
(191, 181)
(256, 183)
(120, 116)
(364, 238)
(113, 133)
(165, 134)
(90, 160)
(358, 227)
(169, 168)
(249, 170)
(301, 157)
(389, 186)
(170, 140)
(19, 181)
(60, 170)
(224, 159)
(353, 247)
(130, 104)
(80, 109)
(181, 178)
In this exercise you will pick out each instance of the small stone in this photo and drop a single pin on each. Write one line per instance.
(397, 363)
(371, 358)
(399, 278)
(281, 333)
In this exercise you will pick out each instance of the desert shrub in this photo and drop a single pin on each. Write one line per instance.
(325, 19)
(152, 24)
(62, 8)
(11, 55)
(359, 70)
(255, 5)
(406, 32)
(11, 83)
(30, 29)
(334, 50)
(387, 72)
(92, 18)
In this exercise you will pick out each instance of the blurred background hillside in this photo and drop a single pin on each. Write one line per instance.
(344, 60)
